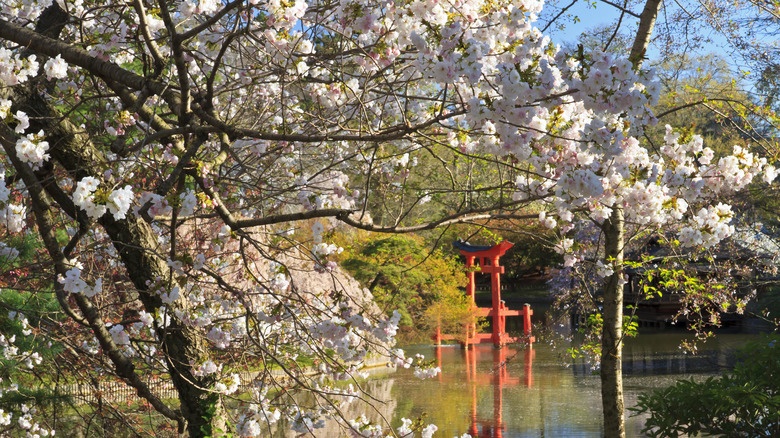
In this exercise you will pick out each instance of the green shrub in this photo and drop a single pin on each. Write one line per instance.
(425, 287)
(743, 403)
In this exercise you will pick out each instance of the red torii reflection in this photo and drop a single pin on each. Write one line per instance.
(498, 378)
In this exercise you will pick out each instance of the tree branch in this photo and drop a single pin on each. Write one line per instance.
(622, 9)
(213, 19)
(394, 133)
(122, 365)
(73, 55)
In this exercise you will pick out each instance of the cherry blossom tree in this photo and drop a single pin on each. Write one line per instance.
(181, 161)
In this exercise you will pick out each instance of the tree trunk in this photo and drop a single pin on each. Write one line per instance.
(136, 243)
(201, 408)
(612, 314)
(612, 332)
(642, 39)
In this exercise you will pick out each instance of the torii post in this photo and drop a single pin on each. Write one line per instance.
(488, 259)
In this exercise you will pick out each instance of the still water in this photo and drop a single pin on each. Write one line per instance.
(531, 392)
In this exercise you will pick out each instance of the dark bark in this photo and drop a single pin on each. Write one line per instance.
(41, 207)
(137, 246)
(134, 239)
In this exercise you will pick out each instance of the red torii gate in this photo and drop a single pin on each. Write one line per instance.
(487, 258)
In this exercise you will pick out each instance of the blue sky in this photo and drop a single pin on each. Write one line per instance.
(601, 14)
(590, 18)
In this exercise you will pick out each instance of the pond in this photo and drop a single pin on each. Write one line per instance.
(535, 394)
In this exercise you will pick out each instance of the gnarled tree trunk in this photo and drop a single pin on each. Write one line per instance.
(201, 410)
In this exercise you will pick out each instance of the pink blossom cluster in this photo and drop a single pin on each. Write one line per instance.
(158, 205)
(189, 202)
(658, 190)
(73, 283)
(32, 149)
(56, 68)
(27, 423)
(15, 69)
(119, 200)
(12, 217)
(362, 427)
(119, 334)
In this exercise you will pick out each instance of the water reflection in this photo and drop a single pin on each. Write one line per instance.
(526, 392)
(498, 379)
